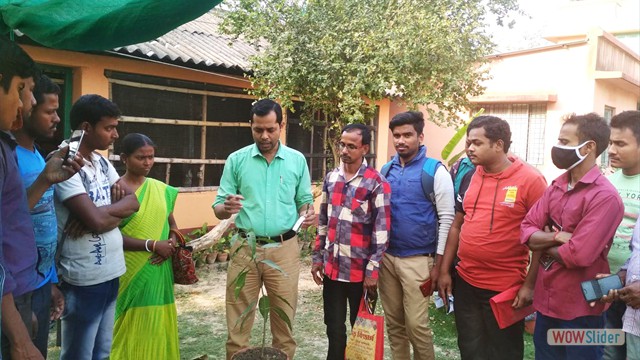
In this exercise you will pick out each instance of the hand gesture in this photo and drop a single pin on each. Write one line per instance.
(523, 298)
(163, 251)
(309, 216)
(609, 297)
(317, 271)
(370, 285)
(117, 192)
(57, 169)
(630, 294)
(57, 303)
(75, 228)
(233, 204)
(445, 286)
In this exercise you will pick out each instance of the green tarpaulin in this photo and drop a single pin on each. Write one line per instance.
(97, 24)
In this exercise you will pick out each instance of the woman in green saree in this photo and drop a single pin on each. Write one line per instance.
(146, 324)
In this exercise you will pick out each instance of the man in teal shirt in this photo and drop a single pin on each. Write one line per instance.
(268, 185)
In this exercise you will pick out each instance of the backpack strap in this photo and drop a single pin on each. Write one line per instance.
(427, 178)
(386, 168)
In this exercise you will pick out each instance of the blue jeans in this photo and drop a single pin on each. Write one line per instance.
(87, 321)
(545, 351)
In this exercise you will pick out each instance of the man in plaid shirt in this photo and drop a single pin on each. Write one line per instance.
(353, 228)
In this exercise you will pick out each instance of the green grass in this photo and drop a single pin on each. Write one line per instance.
(446, 336)
(202, 323)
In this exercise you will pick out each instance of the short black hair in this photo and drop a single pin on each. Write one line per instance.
(494, 129)
(415, 118)
(44, 86)
(590, 127)
(14, 61)
(92, 108)
(629, 119)
(365, 132)
(264, 107)
(135, 141)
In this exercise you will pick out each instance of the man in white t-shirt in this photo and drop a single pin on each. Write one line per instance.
(90, 206)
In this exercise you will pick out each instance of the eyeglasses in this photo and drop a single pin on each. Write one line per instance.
(350, 147)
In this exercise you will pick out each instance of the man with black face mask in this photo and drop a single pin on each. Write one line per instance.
(573, 224)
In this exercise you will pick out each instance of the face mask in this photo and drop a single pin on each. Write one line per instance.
(567, 157)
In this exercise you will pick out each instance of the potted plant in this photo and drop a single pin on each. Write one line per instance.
(199, 258)
(212, 254)
(308, 236)
(222, 248)
(264, 300)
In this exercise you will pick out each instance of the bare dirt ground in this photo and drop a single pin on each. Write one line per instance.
(202, 323)
(210, 290)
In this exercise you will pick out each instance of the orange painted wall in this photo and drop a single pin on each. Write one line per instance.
(192, 209)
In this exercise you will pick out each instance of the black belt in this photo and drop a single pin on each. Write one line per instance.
(430, 255)
(263, 240)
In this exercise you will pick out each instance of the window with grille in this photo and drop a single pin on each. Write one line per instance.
(194, 128)
(527, 123)
(609, 112)
(313, 143)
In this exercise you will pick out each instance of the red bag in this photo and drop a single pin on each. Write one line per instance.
(505, 314)
(367, 336)
(184, 269)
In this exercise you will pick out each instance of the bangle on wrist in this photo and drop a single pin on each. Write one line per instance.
(146, 245)
(153, 247)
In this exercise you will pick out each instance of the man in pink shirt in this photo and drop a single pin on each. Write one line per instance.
(573, 224)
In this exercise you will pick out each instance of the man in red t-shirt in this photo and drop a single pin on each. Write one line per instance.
(485, 235)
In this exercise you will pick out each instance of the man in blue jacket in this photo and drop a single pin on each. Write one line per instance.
(420, 223)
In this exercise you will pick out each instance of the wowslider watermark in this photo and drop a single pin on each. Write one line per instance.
(566, 337)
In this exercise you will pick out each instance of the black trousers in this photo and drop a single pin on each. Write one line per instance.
(479, 336)
(23, 304)
(335, 295)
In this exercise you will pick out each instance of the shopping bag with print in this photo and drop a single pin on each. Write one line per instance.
(366, 341)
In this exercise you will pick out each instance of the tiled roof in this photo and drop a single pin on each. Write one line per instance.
(196, 44)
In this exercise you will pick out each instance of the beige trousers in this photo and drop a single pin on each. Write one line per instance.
(285, 285)
(406, 311)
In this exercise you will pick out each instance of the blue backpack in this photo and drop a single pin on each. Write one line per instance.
(427, 177)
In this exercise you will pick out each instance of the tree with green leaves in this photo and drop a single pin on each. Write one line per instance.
(342, 56)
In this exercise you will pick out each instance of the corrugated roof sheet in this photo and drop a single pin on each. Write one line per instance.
(198, 44)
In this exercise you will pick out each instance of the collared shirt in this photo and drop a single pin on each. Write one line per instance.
(16, 229)
(273, 192)
(631, 318)
(353, 224)
(591, 212)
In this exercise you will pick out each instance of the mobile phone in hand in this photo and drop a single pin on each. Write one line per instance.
(425, 288)
(594, 289)
(74, 144)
